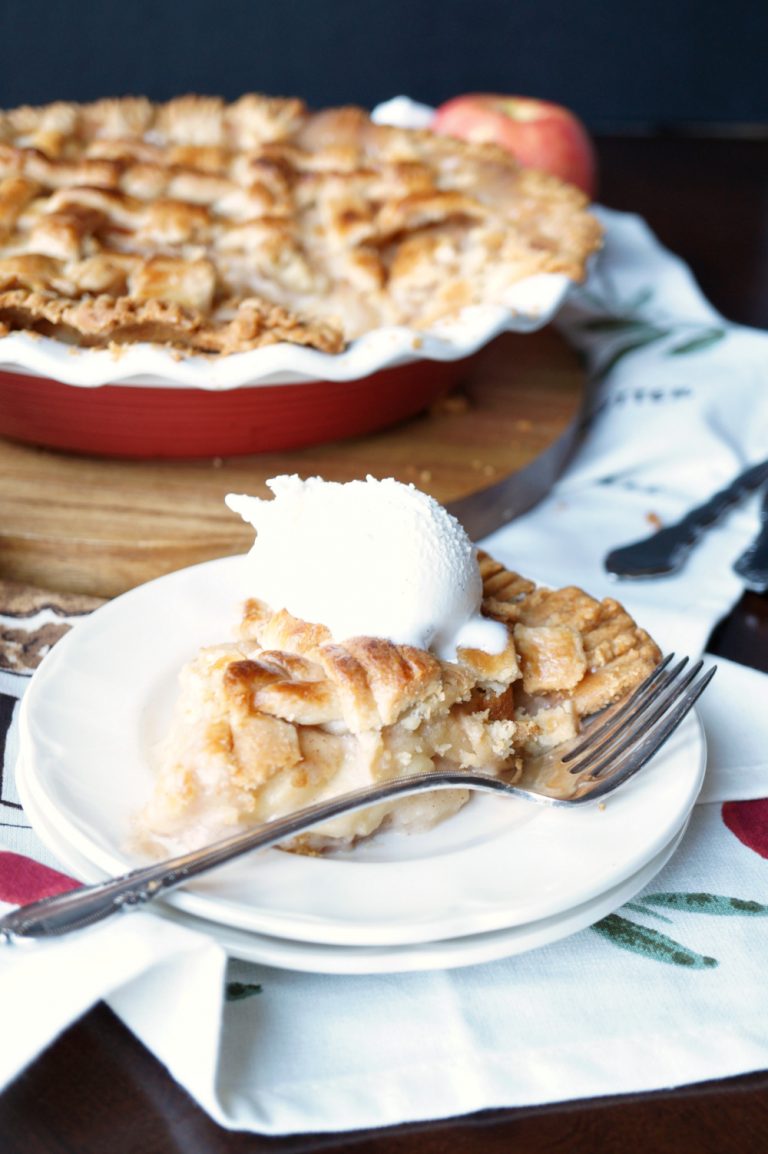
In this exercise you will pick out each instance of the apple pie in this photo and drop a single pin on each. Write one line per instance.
(285, 716)
(217, 228)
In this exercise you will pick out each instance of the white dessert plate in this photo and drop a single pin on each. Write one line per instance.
(314, 957)
(102, 699)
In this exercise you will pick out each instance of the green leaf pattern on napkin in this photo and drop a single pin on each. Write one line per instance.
(651, 943)
(634, 332)
(703, 340)
(708, 904)
(236, 991)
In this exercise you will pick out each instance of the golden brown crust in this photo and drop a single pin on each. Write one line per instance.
(568, 641)
(223, 227)
(561, 642)
(104, 321)
(368, 682)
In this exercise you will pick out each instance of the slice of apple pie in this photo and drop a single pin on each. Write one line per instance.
(285, 716)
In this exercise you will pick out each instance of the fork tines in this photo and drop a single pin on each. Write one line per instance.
(621, 740)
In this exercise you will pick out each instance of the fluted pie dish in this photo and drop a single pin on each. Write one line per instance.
(164, 258)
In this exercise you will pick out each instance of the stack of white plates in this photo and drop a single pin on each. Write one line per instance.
(501, 877)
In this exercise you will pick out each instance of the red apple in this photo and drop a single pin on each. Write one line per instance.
(540, 134)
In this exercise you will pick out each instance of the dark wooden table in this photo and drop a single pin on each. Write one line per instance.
(97, 1091)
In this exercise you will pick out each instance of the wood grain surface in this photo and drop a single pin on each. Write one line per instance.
(99, 526)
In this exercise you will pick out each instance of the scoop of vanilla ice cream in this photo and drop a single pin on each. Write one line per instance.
(373, 558)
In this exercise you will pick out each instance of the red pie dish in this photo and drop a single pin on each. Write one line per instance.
(117, 420)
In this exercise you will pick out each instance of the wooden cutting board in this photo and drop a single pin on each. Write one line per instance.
(100, 526)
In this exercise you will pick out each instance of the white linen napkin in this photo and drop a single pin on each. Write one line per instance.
(680, 409)
(668, 990)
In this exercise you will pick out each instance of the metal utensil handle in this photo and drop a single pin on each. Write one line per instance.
(76, 909)
(665, 551)
(752, 565)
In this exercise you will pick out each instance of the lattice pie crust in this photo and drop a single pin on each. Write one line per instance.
(285, 716)
(223, 227)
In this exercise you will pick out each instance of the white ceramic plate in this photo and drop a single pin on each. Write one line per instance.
(102, 699)
(312, 957)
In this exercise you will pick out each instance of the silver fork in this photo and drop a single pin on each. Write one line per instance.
(610, 749)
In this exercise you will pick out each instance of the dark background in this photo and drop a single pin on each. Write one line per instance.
(623, 66)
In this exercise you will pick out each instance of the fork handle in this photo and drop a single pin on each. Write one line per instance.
(664, 552)
(77, 909)
(752, 565)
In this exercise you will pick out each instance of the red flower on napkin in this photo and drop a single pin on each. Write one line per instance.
(24, 880)
(748, 820)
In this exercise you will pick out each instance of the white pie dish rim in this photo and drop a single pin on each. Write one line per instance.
(529, 305)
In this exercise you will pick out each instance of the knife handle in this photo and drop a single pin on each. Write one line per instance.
(665, 551)
(752, 565)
